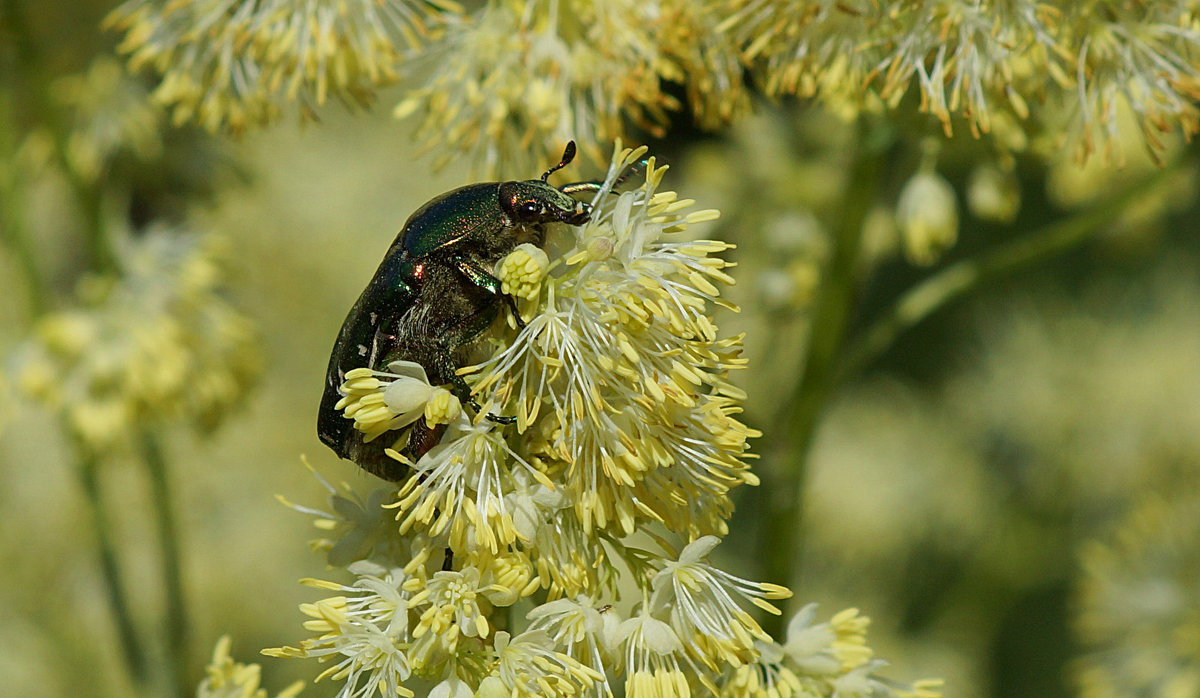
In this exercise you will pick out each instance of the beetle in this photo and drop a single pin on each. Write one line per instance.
(434, 293)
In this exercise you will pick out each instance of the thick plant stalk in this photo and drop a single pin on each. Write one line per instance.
(797, 422)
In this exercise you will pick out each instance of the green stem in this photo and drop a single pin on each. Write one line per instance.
(797, 420)
(12, 220)
(168, 537)
(963, 276)
(131, 647)
(88, 195)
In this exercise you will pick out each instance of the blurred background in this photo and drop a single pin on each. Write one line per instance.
(1007, 487)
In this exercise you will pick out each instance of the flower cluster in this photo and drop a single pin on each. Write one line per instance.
(156, 342)
(405, 631)
(1139, 603)
(570, 550)
(984, 62)
(232, 64)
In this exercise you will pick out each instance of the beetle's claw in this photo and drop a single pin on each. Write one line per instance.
(493, 418)
(512, 306)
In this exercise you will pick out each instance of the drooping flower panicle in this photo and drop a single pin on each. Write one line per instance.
(229, 65)
(985, 63)
(626, 425)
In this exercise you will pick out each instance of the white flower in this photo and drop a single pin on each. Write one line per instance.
(808, 646)
(529, 666)
(383, 401)
(453, 600)
(652, 654)
(703, 605)
(451, 687)
(460, 486)
(577, 625)
(364, 631)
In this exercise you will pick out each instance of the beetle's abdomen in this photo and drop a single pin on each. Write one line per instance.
(449, 314)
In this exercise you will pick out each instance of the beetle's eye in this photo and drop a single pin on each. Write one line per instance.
(528, 208)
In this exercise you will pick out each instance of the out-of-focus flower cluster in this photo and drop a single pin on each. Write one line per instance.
(517, 79)
(512, 80)
(156, 342)
(534, 559)
(109, 114)
(1139, 603)
(229, 679)
(985, 62)
(232, 64)
(777, 180)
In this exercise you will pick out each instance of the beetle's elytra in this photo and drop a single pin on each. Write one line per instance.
(434, 293)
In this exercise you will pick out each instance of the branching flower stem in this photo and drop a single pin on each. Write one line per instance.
(964, 276)
(831, 360)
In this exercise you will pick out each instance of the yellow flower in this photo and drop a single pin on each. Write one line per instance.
(522, 271)
(701, 602)
(528, 667)
(382, 401)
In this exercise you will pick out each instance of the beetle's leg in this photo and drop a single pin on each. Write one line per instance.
(631, 170)
(445, 365)
(576, 187)
(484, 279)
(443, 360)
(422, 437)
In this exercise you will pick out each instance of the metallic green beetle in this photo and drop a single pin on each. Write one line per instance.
(434, 293)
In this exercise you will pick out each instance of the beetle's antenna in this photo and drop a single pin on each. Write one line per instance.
(568, 156)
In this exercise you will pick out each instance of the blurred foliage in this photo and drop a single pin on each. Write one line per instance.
(996, 487)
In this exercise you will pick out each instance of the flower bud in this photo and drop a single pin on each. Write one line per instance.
(927, 214)
(993, 193)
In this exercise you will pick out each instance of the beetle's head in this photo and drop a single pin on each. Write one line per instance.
(534, 201)
(537, 201)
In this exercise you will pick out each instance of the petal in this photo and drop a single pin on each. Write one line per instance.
(411, 369)
(405, 395)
